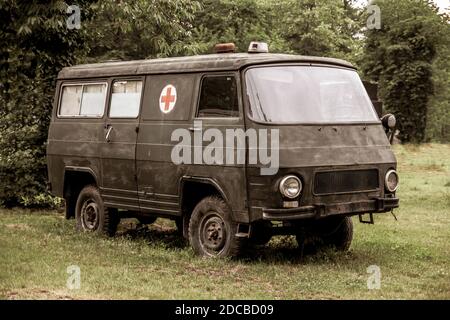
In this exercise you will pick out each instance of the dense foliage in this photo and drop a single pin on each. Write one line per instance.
(400, 58)
(139, 29)
(408, 56)
(34, 45)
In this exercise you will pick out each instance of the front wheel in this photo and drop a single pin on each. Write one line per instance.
(92, 215)
(212, 232)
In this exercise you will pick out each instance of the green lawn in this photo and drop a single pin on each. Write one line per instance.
(413, 254)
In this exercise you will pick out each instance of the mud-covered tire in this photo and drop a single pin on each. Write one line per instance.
(212, 233)
(92, 215)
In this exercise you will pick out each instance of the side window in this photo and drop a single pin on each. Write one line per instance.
(125, 99)
(218, 97)
(86, 100)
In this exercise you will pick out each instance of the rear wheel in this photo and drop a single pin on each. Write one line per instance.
(212, 232)
(92, 215)
(333, 231)
(342, 237)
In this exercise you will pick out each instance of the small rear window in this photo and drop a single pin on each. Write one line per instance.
(87, 100)
(125, 99)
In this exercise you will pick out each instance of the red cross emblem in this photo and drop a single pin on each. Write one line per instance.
(168, 98)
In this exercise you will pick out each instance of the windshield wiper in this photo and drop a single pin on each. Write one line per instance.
(261, 108)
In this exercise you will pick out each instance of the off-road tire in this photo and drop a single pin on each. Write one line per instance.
(342, 237)
(212, 213)
(335, 231)
(107, 218)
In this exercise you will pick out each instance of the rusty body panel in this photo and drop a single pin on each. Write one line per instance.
(133, 167)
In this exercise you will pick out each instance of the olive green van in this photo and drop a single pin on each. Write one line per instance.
(111, 148)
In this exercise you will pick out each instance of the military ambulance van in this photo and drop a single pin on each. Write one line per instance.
(234, 147)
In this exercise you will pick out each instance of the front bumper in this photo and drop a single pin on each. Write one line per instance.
(376, 205)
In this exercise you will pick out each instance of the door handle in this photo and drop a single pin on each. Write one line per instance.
(108, 134)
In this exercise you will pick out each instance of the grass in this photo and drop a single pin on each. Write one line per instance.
(413, 254)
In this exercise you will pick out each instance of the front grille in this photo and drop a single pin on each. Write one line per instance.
(345, 181)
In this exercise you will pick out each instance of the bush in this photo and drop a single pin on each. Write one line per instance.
(36, 44)
(400, 57)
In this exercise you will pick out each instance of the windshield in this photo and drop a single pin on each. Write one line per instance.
(307, 94)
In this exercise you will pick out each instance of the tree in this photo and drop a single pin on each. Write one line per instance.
(35, 44)
(399, 56)
(438, 124)
(139, 29)
(239, 22)
(318, 27)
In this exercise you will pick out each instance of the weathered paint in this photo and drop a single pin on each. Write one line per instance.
(134, 170)
(201, 63)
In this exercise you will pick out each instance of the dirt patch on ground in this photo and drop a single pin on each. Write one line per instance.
(46, 294)
(18, 226)
(36, 293)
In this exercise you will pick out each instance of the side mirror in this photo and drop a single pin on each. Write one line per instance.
(389, 122)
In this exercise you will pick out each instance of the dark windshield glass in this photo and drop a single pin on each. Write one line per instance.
(307, 94)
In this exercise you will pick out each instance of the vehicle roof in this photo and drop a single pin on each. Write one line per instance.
(198, 63)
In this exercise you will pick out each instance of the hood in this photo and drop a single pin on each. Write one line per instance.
(332, 145)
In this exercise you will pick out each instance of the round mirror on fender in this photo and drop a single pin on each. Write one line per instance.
(389, 121)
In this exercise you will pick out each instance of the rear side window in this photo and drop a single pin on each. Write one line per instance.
(218, 97)
(87, 100)
(125, 99)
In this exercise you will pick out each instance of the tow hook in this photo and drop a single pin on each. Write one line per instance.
(370, 221)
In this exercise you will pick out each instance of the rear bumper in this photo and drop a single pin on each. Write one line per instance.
(377, 205)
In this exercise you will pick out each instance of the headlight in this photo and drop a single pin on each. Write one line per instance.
(290, 186)
(391, 180)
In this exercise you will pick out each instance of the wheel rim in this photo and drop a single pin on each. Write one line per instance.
(213, 233)
(90, 215)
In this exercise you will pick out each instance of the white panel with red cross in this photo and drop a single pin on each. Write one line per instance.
(168, 98)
